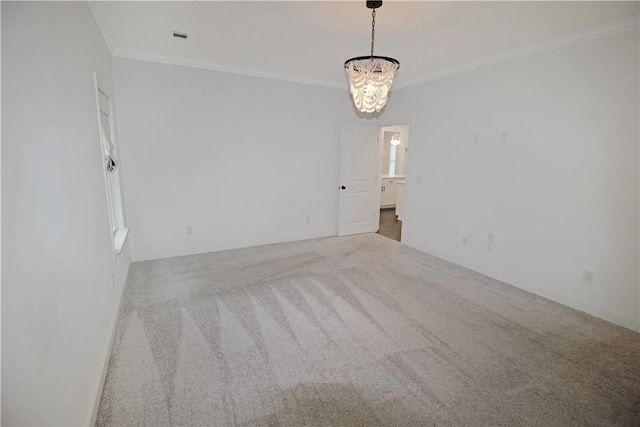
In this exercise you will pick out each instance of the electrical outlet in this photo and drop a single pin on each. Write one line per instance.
(189, 230)
(465, 240)
(489, 242)
(308, 219)
(113, 281)
(476, 138)
(503, 137)
(587, 277)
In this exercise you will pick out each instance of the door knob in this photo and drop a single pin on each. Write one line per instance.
(342, 187)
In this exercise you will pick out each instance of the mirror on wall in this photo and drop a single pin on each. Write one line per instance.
(394, 151)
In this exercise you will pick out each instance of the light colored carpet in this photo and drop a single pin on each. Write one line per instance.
(357, 331)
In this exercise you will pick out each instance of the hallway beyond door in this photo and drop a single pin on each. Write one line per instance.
(390, 226)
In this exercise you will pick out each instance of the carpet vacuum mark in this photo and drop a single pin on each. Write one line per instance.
(357, 331)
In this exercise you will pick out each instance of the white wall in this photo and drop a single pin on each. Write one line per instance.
(58, 304)
(242, 160)
(560, 196)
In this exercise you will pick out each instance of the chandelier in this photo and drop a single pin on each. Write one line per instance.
(395, 139)
(371, 77)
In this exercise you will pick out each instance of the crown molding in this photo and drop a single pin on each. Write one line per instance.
(224, 68)
(593, 33)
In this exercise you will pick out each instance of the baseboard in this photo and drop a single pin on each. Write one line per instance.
(577, 304)
(92, 413)
(195, 250)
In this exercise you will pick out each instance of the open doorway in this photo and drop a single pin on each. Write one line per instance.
(393, 165)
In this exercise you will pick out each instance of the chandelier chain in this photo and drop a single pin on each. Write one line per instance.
(373, 28)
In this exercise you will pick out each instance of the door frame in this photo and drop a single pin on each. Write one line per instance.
(406, 165)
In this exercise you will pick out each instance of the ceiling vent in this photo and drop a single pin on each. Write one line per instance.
(180, 35)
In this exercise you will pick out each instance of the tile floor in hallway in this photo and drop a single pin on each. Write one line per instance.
(390, 226)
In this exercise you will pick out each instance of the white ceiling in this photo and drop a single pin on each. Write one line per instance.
(310, 40)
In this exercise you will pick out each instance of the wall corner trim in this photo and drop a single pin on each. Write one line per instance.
(195, 250)
(144, 55)
(588, 34)
(101, 375)
(592, 33)
(600, 312)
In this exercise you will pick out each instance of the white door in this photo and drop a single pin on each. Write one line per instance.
(359, 180)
